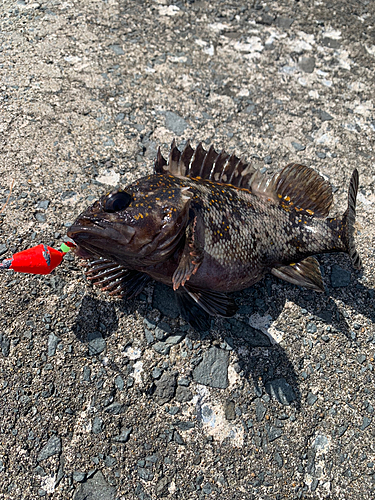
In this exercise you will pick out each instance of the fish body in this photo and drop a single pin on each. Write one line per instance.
(207, 224)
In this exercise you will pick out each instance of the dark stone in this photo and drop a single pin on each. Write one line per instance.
(95, 488)
(321, 155)
(183, 394)
(284, 22)
(260, 410)
(162, 487)
(53, 340)
(280, 390)
(307, 64)
(165, 388)
(145, 474)
(213, 369)
(162, 348)
(3, 249)
(273, 433)
(96, 345)
(79, 476)
(97, 425)
(115, 408)
(43, 204)
(52, 447)
(331, 43)
(324, 116)
(40, 217)
(117, 49)
(340, 277)
(4, 345)
(164, 300)
(311, 398)
(365, 423)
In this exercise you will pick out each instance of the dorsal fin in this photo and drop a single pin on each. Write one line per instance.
(304, 188)
(295, 186)
(217, 167)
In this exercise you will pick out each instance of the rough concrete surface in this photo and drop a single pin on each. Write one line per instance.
(106, 400)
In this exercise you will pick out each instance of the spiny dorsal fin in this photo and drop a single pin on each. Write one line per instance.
(211, 165)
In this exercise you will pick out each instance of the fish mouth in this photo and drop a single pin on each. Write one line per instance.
(95, 239)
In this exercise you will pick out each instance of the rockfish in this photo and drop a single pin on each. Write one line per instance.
(209, 223)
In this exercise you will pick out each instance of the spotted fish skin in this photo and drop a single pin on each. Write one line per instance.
(207, 224)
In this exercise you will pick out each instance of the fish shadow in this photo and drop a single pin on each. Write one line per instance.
(96, 318)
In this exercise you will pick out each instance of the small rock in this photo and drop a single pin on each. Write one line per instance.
(332, 43)
(53, 340)
(149, 336)
(361, 358)
(117, 49)
(4, 345)
(52, 447)
(97, 425)
(273, 433)
(156, 373)
(145, 474)
(174, 339)
(3, 249)
(284, 22)
(311, 398)
(229, 408)
(162, 348)
(321, 155)
(342, 429)
(119, 383)
(177, 438)
(307, 64)
(175, 123)
(165, 388)
(298, 147)
(365, 423)
(79, 476)
(124, 435)
(280, 390)
(162, 487)
(115, 408)
(260, 410)
(213, 369)
(324, 116)
(95, 488)
(40, 217)
(267, 160)
(183, 394)
(311, 328)
(96, 346)
(340, 277)
(43, 204)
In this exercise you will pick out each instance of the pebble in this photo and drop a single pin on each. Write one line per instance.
(284, 22)
(43, 204)
(119, 383)
(40, 217)
(97, 425)
(175, 123)
(115, 408)
(280, 390)
(165, 388)
(4, 345)
(79, 476)
(149, 336)
(183, 394)
(96, 343)
(164, 300)
(95, 488)
(213, 369)
(145, 474)
(361, 358)
(260, 410)
(52, 447)
(124, 435)
(3, 249)
(162, 348)
(339, 277)
(311, 328)
(321, 155)
(311, 398)
(53, 340)
(175, 339)
(117, 49)
(365, 423)
(86, 374)
(298, 147)
(273, 432)
(307, 64)
(324, 116)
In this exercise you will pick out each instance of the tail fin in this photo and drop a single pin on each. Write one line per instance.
(349, 216)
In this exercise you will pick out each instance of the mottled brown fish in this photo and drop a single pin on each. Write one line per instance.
(208, 223)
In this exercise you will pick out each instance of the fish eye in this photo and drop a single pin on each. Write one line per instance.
(117, 201)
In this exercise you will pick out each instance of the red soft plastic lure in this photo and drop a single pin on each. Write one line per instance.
(41, 259)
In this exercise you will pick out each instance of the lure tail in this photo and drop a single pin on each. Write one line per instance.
(349, 221)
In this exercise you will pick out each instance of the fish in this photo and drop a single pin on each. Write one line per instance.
(209, 223)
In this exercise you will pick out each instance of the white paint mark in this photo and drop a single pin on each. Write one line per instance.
(108, 177)
(133, 352)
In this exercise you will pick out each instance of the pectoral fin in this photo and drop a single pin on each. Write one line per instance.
(304, 273)
(190, 260)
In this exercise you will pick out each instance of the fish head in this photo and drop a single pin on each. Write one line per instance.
(140, 225)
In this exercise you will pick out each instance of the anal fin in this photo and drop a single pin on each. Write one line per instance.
(191, 312)
(304, 273)
(214, 303)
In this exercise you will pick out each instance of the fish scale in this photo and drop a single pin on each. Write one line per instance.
(209, 223)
